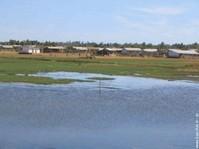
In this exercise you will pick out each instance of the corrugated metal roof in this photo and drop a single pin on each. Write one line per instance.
(7, 46)
(100, 49)
(150, 50)
(114, 49)
(17, 46)
(133, 49)
(95, 48)
(56, 47)
(188, 52)
(81, 48)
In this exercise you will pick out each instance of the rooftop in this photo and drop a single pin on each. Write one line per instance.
(150, 50)
(191, 51)
(133, 49)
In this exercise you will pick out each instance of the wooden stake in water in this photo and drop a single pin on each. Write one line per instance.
(197, 130)
(100, 87)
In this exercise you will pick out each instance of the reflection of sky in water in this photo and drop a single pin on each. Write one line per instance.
(141, 113)
(118, 82)
(71, 75)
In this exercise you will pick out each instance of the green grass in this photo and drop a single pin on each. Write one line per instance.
(33, 80)
(147, 67)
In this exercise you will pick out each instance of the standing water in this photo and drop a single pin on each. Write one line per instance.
(115, 112)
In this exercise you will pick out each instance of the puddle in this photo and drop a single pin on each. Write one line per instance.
(111, 81)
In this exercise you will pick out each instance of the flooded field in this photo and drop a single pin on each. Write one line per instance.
(107, 112)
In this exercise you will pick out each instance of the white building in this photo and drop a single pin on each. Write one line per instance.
(30, 50)
(177, 53)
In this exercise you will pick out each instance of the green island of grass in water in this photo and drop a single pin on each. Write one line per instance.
(33, 80)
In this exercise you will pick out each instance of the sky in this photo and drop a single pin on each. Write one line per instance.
(150, 21)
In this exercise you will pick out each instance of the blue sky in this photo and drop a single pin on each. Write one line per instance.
(100, 20)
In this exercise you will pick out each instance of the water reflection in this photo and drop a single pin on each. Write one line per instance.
(127, 113)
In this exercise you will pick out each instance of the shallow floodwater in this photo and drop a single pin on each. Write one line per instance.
(120, 113)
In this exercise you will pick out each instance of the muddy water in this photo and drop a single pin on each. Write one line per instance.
(123, 112)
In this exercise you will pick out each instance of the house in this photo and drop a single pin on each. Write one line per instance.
(103, 52)
(80, 50)
(109, 51)
(94, 50)
(150, 52)
(177, 53)
(54, 49)
(29, 50)
(7, 47)
(131, 51)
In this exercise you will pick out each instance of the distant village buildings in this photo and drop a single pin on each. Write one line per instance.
(99, 51)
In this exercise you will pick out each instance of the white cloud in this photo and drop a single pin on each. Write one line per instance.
(147, 24)
(161, 10)
(126, 22)
(159, 30)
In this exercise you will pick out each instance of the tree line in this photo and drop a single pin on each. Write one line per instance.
(143, 45)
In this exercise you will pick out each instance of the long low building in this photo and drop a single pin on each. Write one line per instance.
(177, 53)
(109, 51)
(114, 49)
(54, 49)
(150, 52)
(80, 48)
(132, 51)
(10, 47)
(7, 46)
